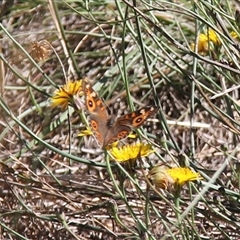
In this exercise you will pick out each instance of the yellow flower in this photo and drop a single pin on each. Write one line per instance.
(234, 34)
(68, 94)
(202, 44)
(166, 178)
(132, 135)
(205, 39)
(131, 152)
(212, 36)
(183, 175)
(85, 132)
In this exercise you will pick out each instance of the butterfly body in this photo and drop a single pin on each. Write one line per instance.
(108, 129)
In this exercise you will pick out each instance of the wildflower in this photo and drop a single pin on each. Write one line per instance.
(68, 95)
(202, 45)
(131, 152)
(165, 178)
(213, 37)
(183, 175)
(132, 135)
(234, 34)
(41, 50)
(205, 39)
(85, 132)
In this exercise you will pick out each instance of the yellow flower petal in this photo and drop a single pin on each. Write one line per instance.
(85, 132)
(204, 41)
(211, 34)
(234, 34)
(202, 46)
(183, 175)
(67, 94)
(132, 135)
(166, 178)
(131, 152)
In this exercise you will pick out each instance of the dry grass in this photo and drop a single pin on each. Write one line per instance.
(56, 185)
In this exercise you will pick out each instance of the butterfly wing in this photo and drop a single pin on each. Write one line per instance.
(115, 131)
(137, 118)
(94, 104)
(122, 126)
(98, 112)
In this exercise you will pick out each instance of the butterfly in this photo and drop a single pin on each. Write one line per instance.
(107, 128)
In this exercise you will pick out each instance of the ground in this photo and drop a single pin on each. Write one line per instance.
(57, 182)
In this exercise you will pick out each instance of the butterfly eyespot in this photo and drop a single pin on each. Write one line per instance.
(94, 125)
(91, 105)
(122, 134)
(137, 121)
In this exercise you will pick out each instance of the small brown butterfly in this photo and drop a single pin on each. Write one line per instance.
(108, 129)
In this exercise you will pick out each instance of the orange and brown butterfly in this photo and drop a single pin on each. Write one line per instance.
(41, 50)
(107, 128)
